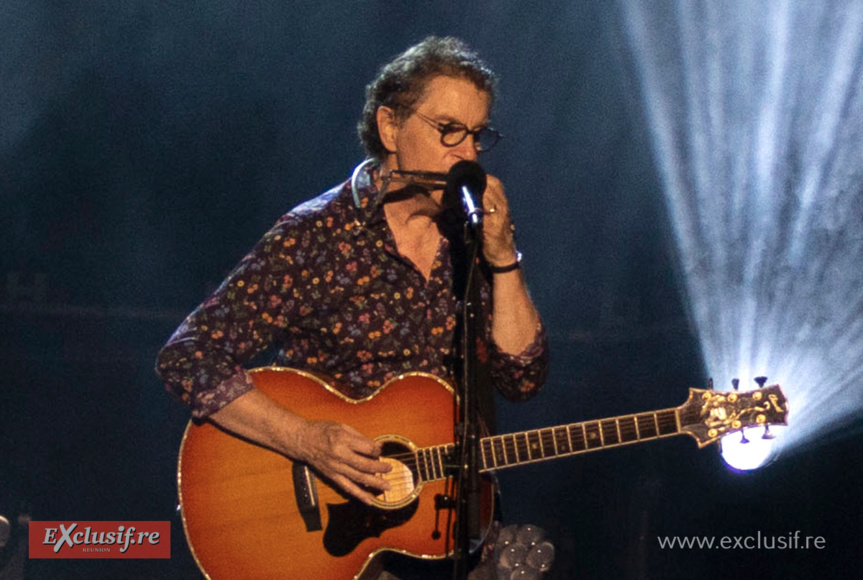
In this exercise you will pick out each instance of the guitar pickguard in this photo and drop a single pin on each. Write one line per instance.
(352, 522)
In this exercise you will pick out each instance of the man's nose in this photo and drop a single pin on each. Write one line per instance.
(467, 149)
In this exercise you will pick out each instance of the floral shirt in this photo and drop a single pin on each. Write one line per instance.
(327, 287)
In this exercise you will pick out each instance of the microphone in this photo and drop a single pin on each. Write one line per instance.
(465, 184)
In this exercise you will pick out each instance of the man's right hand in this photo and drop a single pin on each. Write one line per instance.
(344, 456)
(338, 452)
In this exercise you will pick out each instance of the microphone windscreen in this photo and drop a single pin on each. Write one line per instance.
(468, 174)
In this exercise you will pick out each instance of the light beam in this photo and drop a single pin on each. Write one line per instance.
(755, 110)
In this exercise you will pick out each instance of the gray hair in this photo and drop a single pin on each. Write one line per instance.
(401, 82)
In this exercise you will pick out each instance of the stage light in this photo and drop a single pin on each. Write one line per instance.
(750, 449)
(755, 112)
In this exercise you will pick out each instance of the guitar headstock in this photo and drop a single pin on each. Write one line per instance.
(709, 415)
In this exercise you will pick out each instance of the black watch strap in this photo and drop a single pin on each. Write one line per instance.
(509, 267)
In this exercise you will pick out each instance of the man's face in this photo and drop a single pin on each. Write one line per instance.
(446, 99)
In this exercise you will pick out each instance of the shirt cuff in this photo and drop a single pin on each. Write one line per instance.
(208, 402)
(532, 352)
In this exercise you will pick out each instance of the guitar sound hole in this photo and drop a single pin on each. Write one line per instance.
(402, 477)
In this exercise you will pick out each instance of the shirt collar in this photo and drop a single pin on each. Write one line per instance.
(367, 198)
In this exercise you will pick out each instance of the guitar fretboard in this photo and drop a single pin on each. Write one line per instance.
(512, 449)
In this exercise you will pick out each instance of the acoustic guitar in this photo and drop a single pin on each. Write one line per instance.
(249, 512)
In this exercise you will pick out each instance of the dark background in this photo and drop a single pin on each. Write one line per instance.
(145, 146)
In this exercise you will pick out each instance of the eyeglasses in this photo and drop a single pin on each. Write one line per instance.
(451, 134)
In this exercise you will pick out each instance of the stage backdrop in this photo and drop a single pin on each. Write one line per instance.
(144, 148)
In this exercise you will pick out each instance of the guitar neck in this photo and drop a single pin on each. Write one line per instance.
(501, 451)
(540, 444)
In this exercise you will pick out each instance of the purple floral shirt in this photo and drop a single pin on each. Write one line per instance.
(328, 288)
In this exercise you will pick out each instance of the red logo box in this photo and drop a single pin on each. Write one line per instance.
(100, 539)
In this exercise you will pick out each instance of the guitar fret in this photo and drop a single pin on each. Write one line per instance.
(431, 461)
(627, 428)
(422, 454)
(500, 451)
(544, 446)
(419, 465)
(561, 437)
(522, 445)
(651, 425)
(608, 431)
(646, 426)
(580, 442)
(490, 450)
(422, 458)
(549, 438)
(510, 449)
(429, 468)
(428, 464)
(592, 435)
(534, 446)
(668, 422)
(440, 459)
(527, 445)
(617, 424)
(487, 451)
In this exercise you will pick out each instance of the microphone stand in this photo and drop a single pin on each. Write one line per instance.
(469, 489)
(462, 178)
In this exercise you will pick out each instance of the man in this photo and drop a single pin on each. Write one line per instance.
(359, 284)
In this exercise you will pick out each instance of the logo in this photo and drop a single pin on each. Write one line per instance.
(100, 539)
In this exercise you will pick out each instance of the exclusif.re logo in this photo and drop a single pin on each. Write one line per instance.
(100, 539)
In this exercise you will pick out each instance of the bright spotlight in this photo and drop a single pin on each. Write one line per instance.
(756, 119)
(749, 449)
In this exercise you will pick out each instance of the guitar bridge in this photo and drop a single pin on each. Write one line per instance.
(306, 495)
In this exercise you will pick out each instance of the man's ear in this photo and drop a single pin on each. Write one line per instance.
(388, 127)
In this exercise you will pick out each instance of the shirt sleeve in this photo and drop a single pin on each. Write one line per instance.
(203, 362)
(518, 377)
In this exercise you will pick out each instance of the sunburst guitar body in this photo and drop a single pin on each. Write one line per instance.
(249, 512)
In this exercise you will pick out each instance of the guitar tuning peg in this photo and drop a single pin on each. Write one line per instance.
(735, 383)
(760, 381)
(743, 439)
(767, 433)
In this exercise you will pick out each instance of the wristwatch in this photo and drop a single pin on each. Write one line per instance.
(509, 267)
